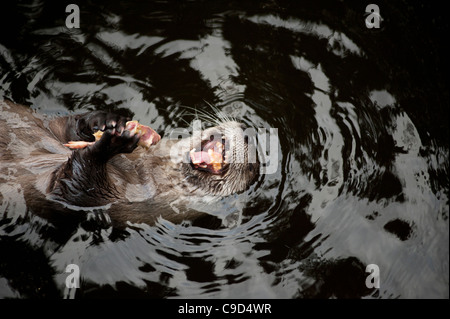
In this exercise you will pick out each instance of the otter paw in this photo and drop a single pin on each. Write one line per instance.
(112, 143)
(91, 122)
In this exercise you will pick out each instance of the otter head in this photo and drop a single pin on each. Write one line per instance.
(222, 160)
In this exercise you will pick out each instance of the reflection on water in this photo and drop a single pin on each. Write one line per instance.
(362, 172)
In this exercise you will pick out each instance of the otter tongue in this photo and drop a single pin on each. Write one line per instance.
(200, 157)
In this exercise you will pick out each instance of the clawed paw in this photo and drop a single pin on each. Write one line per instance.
(112, 143)
(92, 122)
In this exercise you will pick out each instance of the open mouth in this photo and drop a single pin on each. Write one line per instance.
(210, 158)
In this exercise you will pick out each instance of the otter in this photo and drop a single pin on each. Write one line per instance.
(113, 174)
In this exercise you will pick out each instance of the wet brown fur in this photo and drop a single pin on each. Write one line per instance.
(127, 186)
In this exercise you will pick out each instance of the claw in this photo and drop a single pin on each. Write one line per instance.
(78, 144)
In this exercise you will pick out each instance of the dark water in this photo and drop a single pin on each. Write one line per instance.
(362, 172)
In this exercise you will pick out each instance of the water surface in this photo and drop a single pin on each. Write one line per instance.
(362, 171)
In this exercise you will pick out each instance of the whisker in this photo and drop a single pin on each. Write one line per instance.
(182, 114)
(225, 117)
(215, 118)
(203, 115)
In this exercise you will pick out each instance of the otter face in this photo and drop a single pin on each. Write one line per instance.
(223, 160)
